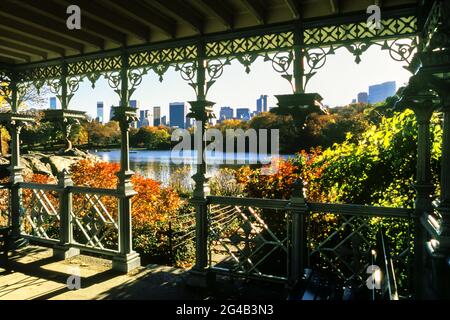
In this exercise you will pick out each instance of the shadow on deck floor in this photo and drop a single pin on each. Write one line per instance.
(37, 275)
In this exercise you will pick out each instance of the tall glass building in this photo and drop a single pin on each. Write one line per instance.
(177, 114)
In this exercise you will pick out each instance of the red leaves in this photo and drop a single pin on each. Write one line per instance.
(152, 203)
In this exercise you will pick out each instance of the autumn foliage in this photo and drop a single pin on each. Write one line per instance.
(154, 207)
(277, 185)
(151, 204)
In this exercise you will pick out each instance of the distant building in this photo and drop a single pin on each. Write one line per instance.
(53, 103)
(261, 104)
(134, 104)
(145, 118)
(189, 123)
(100, 112)
(243, 114)
(226, 113)
(379, 92)
(363, 97)
(177, 114)
(156, 116)
(353, 100)
(164, 120)
(111, 113)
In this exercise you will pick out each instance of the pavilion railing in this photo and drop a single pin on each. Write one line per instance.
(246, 237)
(73, 216)
(277, 239)
(40, 212)
(94, 219)
(341, 240)
(5, 219)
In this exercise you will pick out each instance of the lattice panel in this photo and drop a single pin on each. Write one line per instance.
(4, 207)
(341, 245)
(95, 221)
(40, 73)
(263, 43)
(432, 24)
(40, 214)
(242, 243)
(163, 56)
(5, 80)
(393, 27)
(99, 65)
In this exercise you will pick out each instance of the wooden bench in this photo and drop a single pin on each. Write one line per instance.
(4, 246)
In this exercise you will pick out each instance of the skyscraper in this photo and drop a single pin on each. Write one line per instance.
(100, 112)
(156, 116)
(261, 104)
(53, 103)
(379, 92)
(177, 114)
(145, 118)
(243, 114)
(164, 120)
(363, 97)
(226, 113)
(111, 113)
(134, 104)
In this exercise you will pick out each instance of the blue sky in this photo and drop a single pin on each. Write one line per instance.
(339, 81)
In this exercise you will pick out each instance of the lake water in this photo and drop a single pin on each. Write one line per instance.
(160, 165)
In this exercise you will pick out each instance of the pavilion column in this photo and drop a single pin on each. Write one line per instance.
(298, 63)
(16, 173)
(127, 259)
(441, 243)
(299, 104)
(424, 190)
(63, 249)
(201, 111)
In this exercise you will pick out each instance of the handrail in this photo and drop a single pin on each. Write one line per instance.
(360, 210)
(74, 189)
(39, 186)
(249, 202)
(337, 208)
(89, 190)
(6, 185)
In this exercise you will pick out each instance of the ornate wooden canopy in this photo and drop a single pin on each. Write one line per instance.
(35, 30)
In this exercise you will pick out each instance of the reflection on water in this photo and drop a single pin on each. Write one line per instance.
(160, 165)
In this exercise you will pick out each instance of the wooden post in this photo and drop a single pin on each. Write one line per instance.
(298, 65)
(299, 240)
(441, 256)
(127, 259)
(201, 112)
(16, 170)
(424, 189)
(63, 250)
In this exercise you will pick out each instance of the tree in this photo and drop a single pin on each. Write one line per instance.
(152, 138)
(377, 169)
(99, 134)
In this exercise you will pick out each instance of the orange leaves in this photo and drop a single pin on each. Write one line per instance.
(276, 186)
(152, 203)
(95, 174)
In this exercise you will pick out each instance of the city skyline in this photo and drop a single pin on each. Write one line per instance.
(347, 80)
(151, 116)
